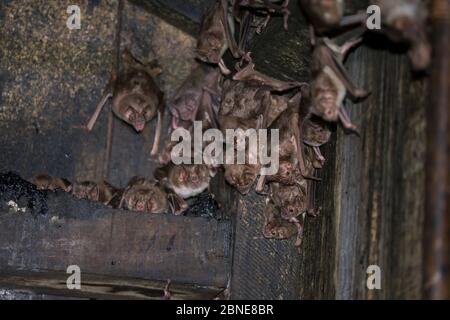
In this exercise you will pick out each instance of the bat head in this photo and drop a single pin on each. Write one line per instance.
(325, 98)
(189, 180)
(143, 195)
(211, 43)
(291, 200)
(316, 132)
(241, 176)
(86, 190)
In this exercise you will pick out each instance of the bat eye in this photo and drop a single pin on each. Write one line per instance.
(129, 114)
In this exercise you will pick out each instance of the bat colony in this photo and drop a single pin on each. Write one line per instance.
(240, 97)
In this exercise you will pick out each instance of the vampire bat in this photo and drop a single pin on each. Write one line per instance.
(143, 195)
(85, 190)
(331, 82)
(216, 36)
(249, 74)
(241, 176)
(200, 89)
(316, 133)
(293, 200)
(46, 182)
(278, 228)
(102, 192)
(327, 15)
(405, 21)
(136, 99)
(265, 8)
(183, 181)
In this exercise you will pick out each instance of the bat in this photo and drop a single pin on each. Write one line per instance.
(103, 191)
(183, 181)
(405, 21)
(266, 8)
(316, 133)
(216, 36)
(200, 89)
(46, 182)
(328, 15)
(249, 74)
(136, 98)
(144, 195)
(331, 82)
(275, 227)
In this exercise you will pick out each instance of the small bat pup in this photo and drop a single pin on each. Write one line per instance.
(103, 191)
(331, 82)
(182, 182)
(47, 182)
(216, 36)
(144, 195)
(405, 21)
(136, 98)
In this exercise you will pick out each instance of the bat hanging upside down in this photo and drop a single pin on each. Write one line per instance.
(136, 99)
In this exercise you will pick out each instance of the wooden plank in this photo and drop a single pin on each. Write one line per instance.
(50, 285)
(116, 243)
(437, 218)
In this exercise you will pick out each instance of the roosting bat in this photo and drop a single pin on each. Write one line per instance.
(327, 15)
(292, 200)
(249, 74)
(275, 227)
(405, 21)
(315, 134)
(144, 195)
(183, 181)
(136, 98)
(85, 190)
(331, 82)
(216, 36)
(46, 182)
(201, 88)
(241, 176)
(102, 192)
(266, 8)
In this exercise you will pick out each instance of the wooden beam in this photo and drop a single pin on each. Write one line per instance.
(116, 243)
(437, 212)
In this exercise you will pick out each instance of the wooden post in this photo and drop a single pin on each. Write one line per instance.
(437, 206)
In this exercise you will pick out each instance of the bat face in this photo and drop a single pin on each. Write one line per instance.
(241, 176)
(46, 182)
(189, 180)
(291, 200)
(212, 41)
(288, 173)
(143, 195)
(188, 99)
(316, 132)
(241, 100)
(136, 99)
(275, 227)
(325, 97)
(86, 190)
(324, 13)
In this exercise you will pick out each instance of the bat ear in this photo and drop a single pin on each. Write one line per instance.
(94, 193)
